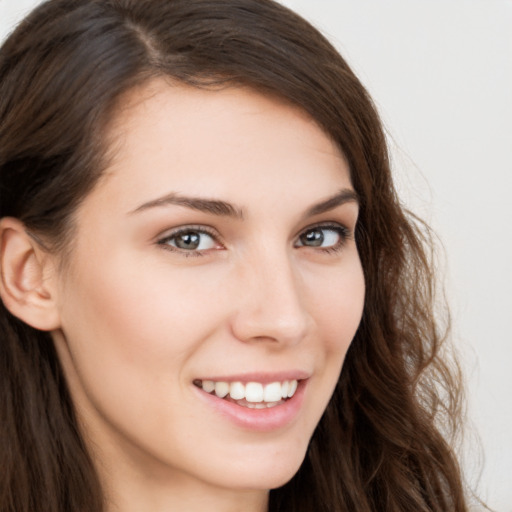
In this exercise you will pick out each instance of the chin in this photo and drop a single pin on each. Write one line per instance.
(268, 474)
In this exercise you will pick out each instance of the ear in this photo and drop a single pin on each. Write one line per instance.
(27, 277)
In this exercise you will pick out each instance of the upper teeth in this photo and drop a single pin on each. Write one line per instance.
(252, 391)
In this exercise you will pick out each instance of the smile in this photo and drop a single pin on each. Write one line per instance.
(253, 395)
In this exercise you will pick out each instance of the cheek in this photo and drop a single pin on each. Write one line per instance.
(134, 325)
(130, 338)
(139, 305)
(338, 305)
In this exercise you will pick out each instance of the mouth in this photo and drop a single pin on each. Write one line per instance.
(252, 395)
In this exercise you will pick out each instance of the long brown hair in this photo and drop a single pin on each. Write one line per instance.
(379, 445)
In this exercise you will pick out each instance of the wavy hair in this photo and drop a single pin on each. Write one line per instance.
(384, 442)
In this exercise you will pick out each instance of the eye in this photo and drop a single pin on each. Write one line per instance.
(191, 240)
(323, 237)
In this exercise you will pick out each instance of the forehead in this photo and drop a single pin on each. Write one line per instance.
(173, 138)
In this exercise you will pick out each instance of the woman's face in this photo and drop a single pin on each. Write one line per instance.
(217, 253)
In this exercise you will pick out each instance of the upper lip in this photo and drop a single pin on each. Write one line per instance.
(263, 377)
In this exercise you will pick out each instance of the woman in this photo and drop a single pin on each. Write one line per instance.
(199, 229)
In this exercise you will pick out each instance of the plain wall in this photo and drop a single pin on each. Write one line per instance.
(441, 75)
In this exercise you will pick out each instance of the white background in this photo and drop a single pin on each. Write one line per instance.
(441, 74)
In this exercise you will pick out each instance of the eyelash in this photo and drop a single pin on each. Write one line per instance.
(344, 234)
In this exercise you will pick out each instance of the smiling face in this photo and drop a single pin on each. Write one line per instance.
(217, 255)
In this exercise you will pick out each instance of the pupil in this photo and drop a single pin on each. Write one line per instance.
(313, 238)
(188, 241)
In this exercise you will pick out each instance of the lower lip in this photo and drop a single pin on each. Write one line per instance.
(263, 420)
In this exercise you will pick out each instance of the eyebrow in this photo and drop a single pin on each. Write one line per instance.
(345, 195)
(223, 208)
(212, 206)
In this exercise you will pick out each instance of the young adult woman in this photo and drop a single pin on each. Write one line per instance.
(212, 298)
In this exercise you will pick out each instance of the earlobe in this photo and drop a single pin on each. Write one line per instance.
(26, 277)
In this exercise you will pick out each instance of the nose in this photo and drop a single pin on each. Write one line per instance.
(272, 303)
